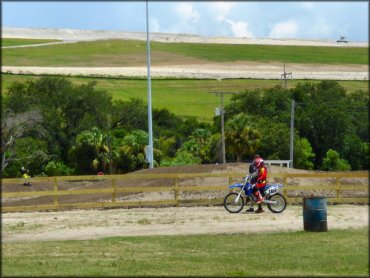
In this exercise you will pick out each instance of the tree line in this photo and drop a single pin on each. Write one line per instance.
(54, 127)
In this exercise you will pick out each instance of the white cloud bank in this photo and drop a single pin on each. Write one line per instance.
(154, 25)
(187, 12)
(239, 29)
(287, 29)
(222, 8)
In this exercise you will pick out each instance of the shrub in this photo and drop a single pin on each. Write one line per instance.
(55, 168)
(332, 162)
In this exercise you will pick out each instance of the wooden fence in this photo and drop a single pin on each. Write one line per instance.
(339, 184)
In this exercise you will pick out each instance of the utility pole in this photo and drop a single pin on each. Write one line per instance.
(223, 122)
(150, 129)
(291, 133)
(285, 76)
(110, 147)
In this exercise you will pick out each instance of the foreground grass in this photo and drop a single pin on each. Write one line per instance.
(186, 97)
(133, 53)
(337, 252)
(16, 42)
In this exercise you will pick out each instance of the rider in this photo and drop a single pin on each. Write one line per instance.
(25, 176)
(259, 173)
(261, 179)
(253, 172)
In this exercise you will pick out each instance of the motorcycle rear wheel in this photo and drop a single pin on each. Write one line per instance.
(230, 205)
(281, 203)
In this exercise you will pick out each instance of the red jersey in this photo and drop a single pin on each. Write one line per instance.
(262, 175)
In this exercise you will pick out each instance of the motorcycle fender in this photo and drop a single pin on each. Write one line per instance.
(235, 185)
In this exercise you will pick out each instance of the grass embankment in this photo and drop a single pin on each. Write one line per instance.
(16, 42)
(187, 97)
(104, 53)
(337, 252)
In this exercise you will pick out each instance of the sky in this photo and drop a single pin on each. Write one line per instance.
(289, 19)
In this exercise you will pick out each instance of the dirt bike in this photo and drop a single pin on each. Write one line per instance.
(235, 201)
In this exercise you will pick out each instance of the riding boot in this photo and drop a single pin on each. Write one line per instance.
(259, 197)
(251, 209)
(259, 210)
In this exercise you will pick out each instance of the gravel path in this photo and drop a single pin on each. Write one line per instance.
(95, 224)
(205, 71)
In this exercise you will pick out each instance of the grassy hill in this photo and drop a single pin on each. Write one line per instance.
(16, 42)
(133, 53)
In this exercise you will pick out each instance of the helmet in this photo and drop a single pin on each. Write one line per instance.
(258, 162)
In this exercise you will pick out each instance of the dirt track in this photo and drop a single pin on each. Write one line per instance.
(95, 224)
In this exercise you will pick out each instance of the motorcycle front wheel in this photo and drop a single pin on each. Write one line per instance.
(230, 203)
(280, 203)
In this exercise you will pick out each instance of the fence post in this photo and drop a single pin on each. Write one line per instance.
(285, 183)
(177, 191)
(56, 199)
(114, 194)
(338, 186)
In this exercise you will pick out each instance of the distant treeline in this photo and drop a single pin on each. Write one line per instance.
(54, 127)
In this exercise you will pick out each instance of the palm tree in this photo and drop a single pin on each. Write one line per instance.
(240, 137)
(96, 142)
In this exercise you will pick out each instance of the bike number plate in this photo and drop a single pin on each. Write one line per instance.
(271, 191)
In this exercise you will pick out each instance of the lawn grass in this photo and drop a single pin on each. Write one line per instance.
(16, 42)
(267, 53)
(332, 253)
(185, 97)
(133, 53)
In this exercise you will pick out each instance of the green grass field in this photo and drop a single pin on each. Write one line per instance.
(16, 42)
(188, 97)
(133, 53)
(332, 253)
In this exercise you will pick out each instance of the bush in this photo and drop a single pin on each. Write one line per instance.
(332, 162)
(182, 158)
(55, 168)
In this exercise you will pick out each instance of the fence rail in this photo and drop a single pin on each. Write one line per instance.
(337, 189)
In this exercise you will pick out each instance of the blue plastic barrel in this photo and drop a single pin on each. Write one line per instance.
(315, 214)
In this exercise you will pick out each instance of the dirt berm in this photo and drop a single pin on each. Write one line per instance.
(183, 182)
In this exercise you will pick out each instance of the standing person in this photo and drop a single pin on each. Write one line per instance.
(259, 181)
(253, 171)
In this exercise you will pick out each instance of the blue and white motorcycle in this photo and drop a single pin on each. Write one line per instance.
(235, 201)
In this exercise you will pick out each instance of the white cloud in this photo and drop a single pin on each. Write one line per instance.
(320, 29)
(187, 12)
(287, 29)
(307, 5)
(154, 25)
(222, 8)
(238, 28)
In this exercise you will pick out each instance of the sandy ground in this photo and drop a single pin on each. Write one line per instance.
(205, 71)
(95, 224)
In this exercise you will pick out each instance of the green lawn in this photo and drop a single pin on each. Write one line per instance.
(16, 42)
(133, 53)
(332, 253)
(267, 53)
(188, 97)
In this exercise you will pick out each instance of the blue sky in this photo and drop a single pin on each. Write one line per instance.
(293, 19)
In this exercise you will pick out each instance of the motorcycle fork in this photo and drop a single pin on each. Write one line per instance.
(239, 195)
